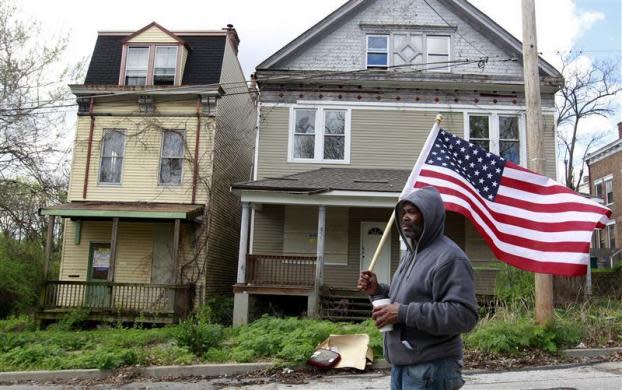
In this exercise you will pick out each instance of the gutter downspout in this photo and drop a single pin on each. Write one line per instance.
(89, 149)
(195, 173)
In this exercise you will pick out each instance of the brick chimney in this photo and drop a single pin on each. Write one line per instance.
(232, 36)
(619, 130)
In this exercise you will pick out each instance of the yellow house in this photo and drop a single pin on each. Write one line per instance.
(165, 124)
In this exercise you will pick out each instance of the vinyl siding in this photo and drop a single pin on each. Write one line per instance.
(378, 139)
(141, 160)
(268, 238)
(268, 227)
(153, 35)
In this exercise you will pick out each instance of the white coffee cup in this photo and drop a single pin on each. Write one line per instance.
(380, 303)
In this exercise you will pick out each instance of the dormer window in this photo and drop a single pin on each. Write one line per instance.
(136, 65)
(151, 65)
(164, 66)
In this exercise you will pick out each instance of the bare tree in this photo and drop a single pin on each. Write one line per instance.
(587, 91)
(34, 101)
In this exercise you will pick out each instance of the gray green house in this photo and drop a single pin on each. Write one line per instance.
(344, 111)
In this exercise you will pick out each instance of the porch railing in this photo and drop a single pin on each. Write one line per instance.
(119, 297)
(277, 270)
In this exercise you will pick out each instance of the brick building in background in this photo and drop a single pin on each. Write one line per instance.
(605, 178)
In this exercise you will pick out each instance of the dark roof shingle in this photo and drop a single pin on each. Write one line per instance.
(203, 65)
(329, 179)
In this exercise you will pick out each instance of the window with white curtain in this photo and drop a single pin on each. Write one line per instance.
(136, 65)
(164, 66)
(112, 151)
(151, 65)
(172, 157)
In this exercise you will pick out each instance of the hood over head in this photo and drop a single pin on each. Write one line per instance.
(428, 201)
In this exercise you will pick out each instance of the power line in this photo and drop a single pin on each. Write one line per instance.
(422, 67)
(457, 32)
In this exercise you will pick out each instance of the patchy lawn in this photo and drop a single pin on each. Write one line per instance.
(508, 337)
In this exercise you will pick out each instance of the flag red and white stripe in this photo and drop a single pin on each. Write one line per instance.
(528, 220)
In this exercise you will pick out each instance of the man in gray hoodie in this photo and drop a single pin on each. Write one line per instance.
(432, 295)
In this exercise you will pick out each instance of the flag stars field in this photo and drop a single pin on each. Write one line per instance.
(528, 220)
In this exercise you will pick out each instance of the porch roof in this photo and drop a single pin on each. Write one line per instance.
(332, 179)
(139, 210)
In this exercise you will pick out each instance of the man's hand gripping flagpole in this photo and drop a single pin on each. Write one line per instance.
(407, 188)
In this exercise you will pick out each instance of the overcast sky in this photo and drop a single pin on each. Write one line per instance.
(265, 26)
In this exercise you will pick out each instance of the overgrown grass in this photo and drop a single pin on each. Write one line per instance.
(509, 331)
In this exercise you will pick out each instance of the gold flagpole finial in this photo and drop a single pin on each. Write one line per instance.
(438, 119)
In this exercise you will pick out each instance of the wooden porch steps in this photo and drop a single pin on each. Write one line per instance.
(344, 305)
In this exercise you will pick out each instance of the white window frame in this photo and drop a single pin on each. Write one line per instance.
(318, 157)
(493, 131)
(606, 231)
(181, 180)
(151, 54)
(388, 38)
(427, 53)
(155, 54)
(127, 56)
(603, 181)
(101, 157)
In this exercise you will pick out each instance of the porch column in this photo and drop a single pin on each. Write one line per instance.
(113, 248)
(319, 263)
(48, 247)
(243, 243)
(241, 300)
(176, 234)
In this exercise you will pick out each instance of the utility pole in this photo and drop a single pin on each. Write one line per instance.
(544, 283)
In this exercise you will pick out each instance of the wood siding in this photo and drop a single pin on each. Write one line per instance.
(151, 35)
(141, 159)
(134, 249)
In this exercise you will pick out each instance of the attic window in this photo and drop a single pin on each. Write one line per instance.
(377, 51)
(151, 64)
(136, 66)
(164, 66)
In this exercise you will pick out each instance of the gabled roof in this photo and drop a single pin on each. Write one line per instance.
(323, 25)
(156, 25)
(470, 13)
(332, 179)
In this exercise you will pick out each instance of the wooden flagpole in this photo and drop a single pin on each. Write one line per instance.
(385, 234)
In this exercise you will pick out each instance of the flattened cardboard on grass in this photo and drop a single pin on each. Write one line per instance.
(353, 348)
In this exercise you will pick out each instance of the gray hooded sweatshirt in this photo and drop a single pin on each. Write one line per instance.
(434, 286)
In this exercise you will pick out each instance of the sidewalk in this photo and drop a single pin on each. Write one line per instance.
(601, 376)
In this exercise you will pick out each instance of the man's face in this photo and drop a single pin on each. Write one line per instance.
(412, 221)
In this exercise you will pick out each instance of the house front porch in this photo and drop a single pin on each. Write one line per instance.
(310, 235)
(122, 262)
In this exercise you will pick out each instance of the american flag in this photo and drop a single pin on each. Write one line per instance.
(528, 220)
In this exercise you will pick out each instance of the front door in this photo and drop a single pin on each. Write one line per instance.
(97, 293)
(162, 267)
(371, 233)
